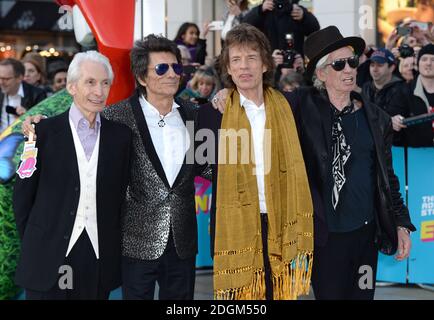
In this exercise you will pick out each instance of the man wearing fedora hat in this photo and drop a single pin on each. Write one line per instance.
(346, 142)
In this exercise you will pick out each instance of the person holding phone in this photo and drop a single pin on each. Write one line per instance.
(16, 96)
(236, 10)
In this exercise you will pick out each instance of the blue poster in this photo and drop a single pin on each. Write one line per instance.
(421, 206)
(389, 269)
(203, 207)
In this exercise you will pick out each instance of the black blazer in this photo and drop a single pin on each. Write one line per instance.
(45, 205)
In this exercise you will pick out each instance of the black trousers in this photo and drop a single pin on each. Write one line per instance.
(267, 266)
(346, 268)
(175, 276)
(85, 276)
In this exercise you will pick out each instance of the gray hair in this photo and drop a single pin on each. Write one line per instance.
(93, 56)
(317, 83)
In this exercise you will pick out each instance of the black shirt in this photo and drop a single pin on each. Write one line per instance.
(356, 199)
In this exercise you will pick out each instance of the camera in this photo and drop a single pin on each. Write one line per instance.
(406, 51)
(11, 110)
(284, 5)
(289, 54)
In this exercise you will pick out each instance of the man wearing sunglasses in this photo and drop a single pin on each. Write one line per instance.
(346, 142)
(159, 236)
(159, 230)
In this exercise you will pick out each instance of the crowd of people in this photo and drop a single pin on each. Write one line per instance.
(333, 121)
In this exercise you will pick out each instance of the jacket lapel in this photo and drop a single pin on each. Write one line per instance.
(147, 139)
(64, 145)
(105, 139)
(326, 121)
(184, 166)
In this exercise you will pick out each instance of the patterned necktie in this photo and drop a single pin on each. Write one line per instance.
(341, 152)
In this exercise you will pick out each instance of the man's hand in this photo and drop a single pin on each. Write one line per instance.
(219, 100)
(404, 245)
(234, 9)
(397, 122)
(392, 39)
(205, 30)
(20, 110)
(277, 57)
(297, 13)
(395, 52)
(267, 5)
(27, 127)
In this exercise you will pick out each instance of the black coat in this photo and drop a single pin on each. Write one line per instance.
(32, 96)
(313, 116)
(411, 101)
(45, 205)
(383, 97)
(276, 25)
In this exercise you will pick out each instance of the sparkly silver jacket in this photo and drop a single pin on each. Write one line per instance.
(152, 208)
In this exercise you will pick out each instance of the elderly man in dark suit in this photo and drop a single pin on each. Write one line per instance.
(68, 213)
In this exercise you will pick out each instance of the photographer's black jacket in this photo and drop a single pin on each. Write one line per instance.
(276, 24)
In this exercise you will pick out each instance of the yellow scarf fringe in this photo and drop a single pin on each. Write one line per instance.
(292, 283)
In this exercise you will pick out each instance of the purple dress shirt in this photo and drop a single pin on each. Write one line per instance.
(86, 134)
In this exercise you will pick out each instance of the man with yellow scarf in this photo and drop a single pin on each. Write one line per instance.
(261, 215)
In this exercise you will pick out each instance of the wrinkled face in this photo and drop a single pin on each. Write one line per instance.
(32, 75)
(9, 83)
(407, 66)
(380, 72)
(340, 81)
(426, 66)
(246, 68)
(190, 36)
(165, 85)
(91, 90)
(205, 87)
(59, 81)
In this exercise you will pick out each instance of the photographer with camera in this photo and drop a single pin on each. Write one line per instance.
(16, 95)
(288, 62)
(276, 18)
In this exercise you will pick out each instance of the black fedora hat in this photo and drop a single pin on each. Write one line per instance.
(324, 41)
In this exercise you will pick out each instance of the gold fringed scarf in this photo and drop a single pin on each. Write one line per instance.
(238, 262)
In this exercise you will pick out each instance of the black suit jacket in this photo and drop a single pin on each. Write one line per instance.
(45, 205)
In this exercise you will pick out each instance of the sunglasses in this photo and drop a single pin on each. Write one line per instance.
(339, 65)
(162, 68)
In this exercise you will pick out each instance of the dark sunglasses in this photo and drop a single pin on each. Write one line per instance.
(162, 68)
(339, 65)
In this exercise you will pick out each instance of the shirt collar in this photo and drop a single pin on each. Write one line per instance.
(21, 91)
(76, 116)
(147, 106)
(248, 104)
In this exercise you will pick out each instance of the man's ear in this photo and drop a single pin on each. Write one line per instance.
(71, 88)
(141, 81)
(321, 74)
